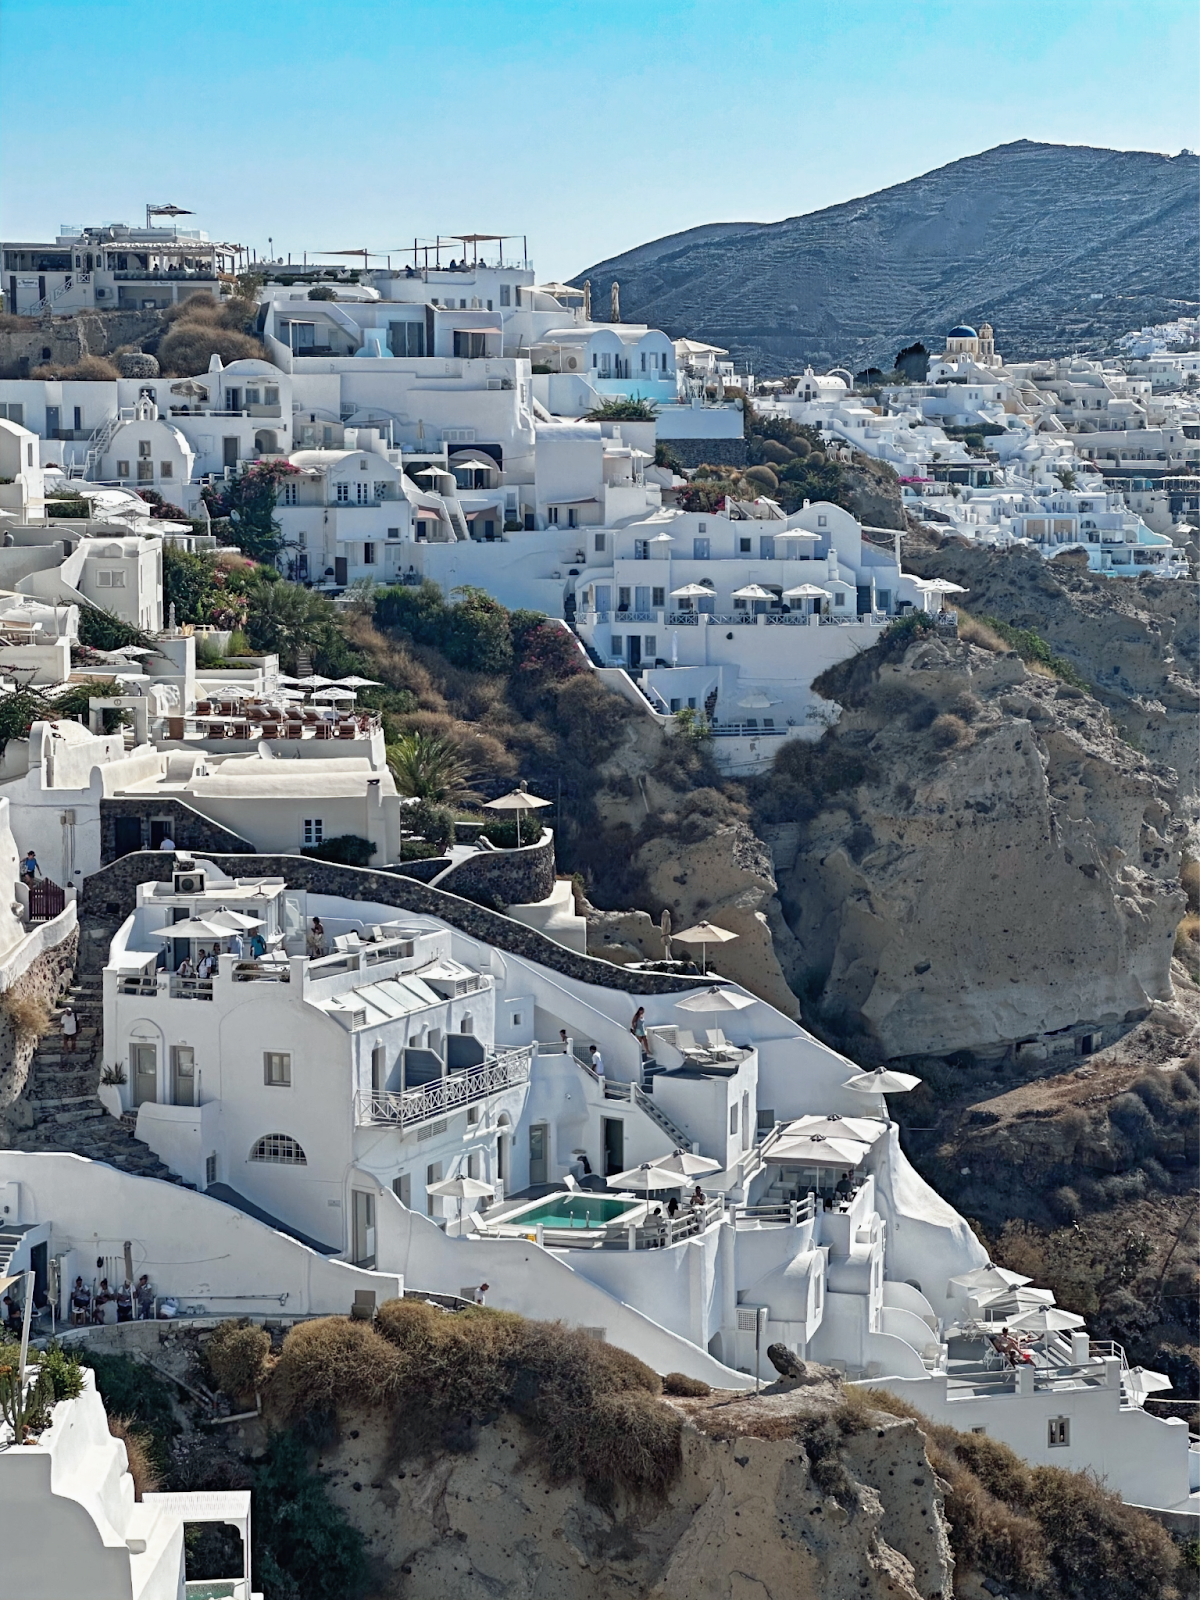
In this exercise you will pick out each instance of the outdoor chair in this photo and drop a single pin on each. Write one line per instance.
(216, 730)
(295, 730)
(322, 730)
(203, 707)
(717, 1039)
(346, 730)
(241, 730)
(270, 730)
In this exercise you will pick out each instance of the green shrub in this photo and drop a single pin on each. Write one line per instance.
(762, 477)
(773, 450)
(505, 836)
(236, 1356)
(624, 410)
(347, 849)
(73, 508)
(137, 1394)
(62, 1373)
(434, 824)
(1031, 647)
(303, 1545)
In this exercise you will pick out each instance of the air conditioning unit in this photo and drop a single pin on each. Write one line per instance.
(189, 883)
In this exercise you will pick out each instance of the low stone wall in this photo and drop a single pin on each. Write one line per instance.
(423, 871)
(111, 893)
(189, 829)
(500, 878)
(36, 989)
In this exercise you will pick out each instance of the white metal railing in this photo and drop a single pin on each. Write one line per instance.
(657, 1233)
(779, 1214)
(446, 1093)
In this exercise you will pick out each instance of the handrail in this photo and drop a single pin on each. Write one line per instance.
(446, 1093)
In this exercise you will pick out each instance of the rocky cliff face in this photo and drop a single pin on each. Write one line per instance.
(747, 1518)
(971, 859)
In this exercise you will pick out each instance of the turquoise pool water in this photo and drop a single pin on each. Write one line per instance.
(575, 1211)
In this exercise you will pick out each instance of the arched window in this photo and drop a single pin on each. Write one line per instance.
(280, 1148)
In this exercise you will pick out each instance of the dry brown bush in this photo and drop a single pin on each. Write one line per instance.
(236, 1356)
(189, 346)
(976, 632)
(139, 1450)
(948, 731)
(1189, 877)
(93, 369)
(29, 1014)
(330, 1364)
(678, 1383)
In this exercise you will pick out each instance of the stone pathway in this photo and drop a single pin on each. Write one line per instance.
(60, 1109)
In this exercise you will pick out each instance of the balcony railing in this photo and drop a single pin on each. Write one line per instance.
(190, 988)
(445, 1094)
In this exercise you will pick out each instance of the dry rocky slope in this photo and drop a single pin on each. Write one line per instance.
(971, 858)
(1022, 236)
(744, 1520)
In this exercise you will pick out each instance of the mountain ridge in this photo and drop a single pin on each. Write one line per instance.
(1059, 246)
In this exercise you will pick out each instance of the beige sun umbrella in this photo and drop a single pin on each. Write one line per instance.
(865, 1129)
(686, 1164)
(816, 1150)
(460, 1189)
(693, 591)
(805, 591)
(704, 934)
(519, 800)
(882, 1081)
(1047, 1319)
(752, 591)
(758, 700)
(714, 999)
(647, 1176)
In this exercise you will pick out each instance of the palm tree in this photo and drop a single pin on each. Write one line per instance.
(286, 620)
(429, 766)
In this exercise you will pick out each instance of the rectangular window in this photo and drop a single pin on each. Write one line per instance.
(362, 493)
(270, 397)
(659, 598)
(743, 547)
(641, 549)
(145, 449)
(552, 516)
(402, 1188)
(289, 494)
(368, 555)
(822, 522)
(472, 1116)
(393, 533)
(252, 397)
(1058, 1432)
(122, 469)
(111, 578)
(210, 1170)
(650, 647)
(406, 338)
(473, 1164)
(165, 469)
(733, 1118)
(618, 646)
(839, 598)
(314, 830)
(343, 494)
(601, 544)
(505, 294)
(641, 598)
(700, 549)
(145, 472)
(433, 1174)
(277, 1069)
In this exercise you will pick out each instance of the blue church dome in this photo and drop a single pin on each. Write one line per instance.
(962, 333)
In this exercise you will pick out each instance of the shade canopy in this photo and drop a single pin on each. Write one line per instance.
(519, 799)
(714, 999)
(236, 921)
(313, 681)
(705, 933)
(1049, 1319)
(799, 533)
(1011, 1302)
(476, 463)
(815, 1150)
(663, 538)
(460, 1188)
(940, 586)
(753, 591)
(805, 591)
(988, 1277)
(757, 700)
(335, 691)
(647, 1176)
(355, 682)
(882, 1081)
(686, 1164)
(196, 928)
(433, 472)
(865, 1129)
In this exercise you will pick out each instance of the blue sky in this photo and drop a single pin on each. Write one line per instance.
(589, 126)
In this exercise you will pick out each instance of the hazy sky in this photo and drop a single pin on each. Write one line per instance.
(588, 125)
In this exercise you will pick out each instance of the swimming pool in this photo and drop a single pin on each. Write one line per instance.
(574, 1211)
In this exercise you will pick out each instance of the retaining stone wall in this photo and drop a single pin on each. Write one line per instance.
(190, 830)
(42, 982)
(500, 878)
(714, 452)
(111, 892)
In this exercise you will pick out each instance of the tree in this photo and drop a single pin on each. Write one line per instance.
(284, 619)
(913, 363)
(429, 767)
(248, 505)
(632, 409)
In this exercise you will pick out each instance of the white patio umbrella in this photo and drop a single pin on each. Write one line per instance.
(940, 586)
(865, 1129)
(882, 1081)
(752, 591)
(714, 999)
(475, 464)
(686, 1164)
(989, 1277)
(238, 920)
(287, 679)
(693, 591)
(663, 538)
(335, 691)
(704, 934)
(519, 800)
(460, 1189)
(434, 472)
(799, 533)
(815, 1150)
(1011, 1302)
(1049, 1319)
(355, 682)
(195, 928)
(805, 591)
(313, 681)
(646, 1177)
(758, 700)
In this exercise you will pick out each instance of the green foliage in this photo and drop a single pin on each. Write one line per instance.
(303, 1545)
(130, 1389)
(247, 505)
(74, 508)
(506, 835)
(25, 1407)
(633, 409)
(664, 456)
(104, 630)
(473, 633)
(428, 766)
(322, 291)
(434, 824)
(62, 1372)
(18, 713)
(707, 494)
(205, 591)
(1030, 646)
(72, 704)
(347, 849)
(690, 725)
(284, 619)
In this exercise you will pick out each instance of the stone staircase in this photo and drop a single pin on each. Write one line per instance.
(59, 1110)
